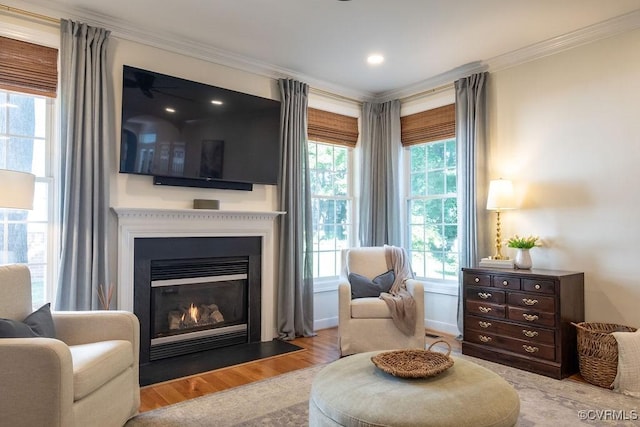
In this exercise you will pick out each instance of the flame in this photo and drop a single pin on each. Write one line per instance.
(193, 313)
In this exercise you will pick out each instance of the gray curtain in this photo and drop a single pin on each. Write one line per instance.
(295, 279)
(379, 197)
(86, 138)
(471, 116)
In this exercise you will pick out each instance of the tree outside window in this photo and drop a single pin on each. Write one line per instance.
(23, 138)
(331, 204)
(432, 210)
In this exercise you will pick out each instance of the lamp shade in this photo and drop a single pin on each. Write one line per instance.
(16, 189)
(500, 195)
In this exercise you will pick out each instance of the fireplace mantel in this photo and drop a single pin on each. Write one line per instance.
(148, 223)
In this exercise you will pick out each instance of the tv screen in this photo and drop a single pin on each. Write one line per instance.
(188, 133)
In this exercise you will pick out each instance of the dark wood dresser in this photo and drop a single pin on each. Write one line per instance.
(522, 318)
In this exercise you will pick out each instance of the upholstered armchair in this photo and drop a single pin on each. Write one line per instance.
(365, 323)
(86, 376)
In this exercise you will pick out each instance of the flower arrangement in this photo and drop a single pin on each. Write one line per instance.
(522, 242)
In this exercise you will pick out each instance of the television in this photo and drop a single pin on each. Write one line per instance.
(186, 133)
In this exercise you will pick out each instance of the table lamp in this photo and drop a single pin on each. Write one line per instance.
(500, 198)
(16, 189)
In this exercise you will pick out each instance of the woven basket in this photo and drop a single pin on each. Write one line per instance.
(598, 351)
(414, 363)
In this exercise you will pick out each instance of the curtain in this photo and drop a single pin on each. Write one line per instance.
(86, 140)
(471, 115)
(380, 184)
(295, 282)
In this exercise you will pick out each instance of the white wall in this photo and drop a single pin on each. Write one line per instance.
(566, 130)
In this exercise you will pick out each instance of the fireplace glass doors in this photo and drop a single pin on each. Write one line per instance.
(197, 304)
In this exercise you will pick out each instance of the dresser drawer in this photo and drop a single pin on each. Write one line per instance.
(524, 332)
(531, 316)
(521, 347)
(485, 294)
(542, 286)
(477, 279)
(506, 282)
(485, 309)
(531, 301)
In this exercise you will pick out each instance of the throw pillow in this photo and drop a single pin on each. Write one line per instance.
(37, 324)
(362, 287)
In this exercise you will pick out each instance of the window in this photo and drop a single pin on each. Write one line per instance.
(332, 204)
(432, 212)
(25, 137)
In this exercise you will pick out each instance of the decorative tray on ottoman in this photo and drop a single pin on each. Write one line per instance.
(414, 363)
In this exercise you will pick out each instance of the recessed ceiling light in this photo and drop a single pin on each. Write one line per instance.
(216, 102)
(375, 59)
(169, 110)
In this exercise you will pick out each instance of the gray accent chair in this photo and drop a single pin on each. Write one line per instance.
(365, 324)
(86, 376)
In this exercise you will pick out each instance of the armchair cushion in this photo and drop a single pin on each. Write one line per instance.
(97, 363)
(369, 308)
(37, 324)
(363, 287)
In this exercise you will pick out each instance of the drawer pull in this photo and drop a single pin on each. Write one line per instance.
(537, 286)
(484, 324)
(477, 279)
(505, 283)
(484, 338)
(530, 317)
(484, 309)
(529, 334)
(528, 301)
(484, 295)
(530, 349)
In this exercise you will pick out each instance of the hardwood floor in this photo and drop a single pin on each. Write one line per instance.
(317, 350)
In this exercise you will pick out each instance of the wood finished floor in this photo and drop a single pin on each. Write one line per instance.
(323, 348)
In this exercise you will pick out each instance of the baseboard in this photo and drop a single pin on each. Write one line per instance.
(330, 322)
(445, 328)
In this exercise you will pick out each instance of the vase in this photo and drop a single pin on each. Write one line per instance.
(522, 260)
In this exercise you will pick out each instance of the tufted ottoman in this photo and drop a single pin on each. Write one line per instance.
(353, 392)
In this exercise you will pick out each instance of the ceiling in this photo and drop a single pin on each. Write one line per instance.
(326, 42)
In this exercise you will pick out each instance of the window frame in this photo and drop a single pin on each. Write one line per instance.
(326, 283)
(434, 285)
(46, 35)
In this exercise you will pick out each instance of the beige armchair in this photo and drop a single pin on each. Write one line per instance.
(86, 376)
(365, 324)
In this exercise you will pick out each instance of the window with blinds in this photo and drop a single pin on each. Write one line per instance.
(332, 138)
(28, 85)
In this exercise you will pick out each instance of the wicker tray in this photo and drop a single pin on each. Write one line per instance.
(414, 363)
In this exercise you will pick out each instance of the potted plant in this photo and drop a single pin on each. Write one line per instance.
(522, 244)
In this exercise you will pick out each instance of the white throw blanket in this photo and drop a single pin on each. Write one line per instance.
(400, 302)
(628, 377)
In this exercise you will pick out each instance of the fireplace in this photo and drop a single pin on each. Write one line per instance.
(140, 228)
(194, 294)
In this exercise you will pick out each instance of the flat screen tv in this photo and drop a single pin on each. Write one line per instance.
(192, 134)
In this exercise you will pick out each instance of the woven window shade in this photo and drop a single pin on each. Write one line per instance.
(431, 125)
(28, 68)
(323, 126)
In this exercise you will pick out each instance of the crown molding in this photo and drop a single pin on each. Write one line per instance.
(184, 46)
(592, 33)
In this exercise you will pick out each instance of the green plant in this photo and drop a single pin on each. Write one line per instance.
(522, 242)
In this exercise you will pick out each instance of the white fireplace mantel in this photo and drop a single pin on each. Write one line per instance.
(136, 223)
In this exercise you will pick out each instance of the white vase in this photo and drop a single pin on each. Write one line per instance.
(523, 259)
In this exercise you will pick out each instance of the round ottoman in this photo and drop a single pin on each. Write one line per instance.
(353, 392)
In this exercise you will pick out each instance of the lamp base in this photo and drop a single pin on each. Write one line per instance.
(496, 263)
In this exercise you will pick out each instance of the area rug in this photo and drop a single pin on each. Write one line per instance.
(283, 401)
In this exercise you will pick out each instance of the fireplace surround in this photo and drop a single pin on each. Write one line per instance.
(186, 230)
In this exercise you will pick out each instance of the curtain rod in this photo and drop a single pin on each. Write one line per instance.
(28, 14)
